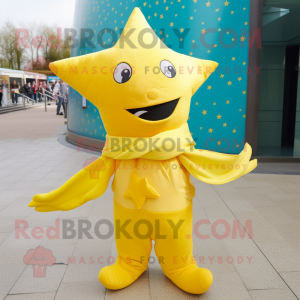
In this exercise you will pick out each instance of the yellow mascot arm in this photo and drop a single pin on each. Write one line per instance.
(218, 168)
(79, 189)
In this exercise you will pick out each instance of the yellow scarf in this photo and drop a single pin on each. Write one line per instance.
(207, 166)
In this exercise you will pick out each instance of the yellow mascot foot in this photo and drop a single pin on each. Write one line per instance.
(192, 280)
(117, 277)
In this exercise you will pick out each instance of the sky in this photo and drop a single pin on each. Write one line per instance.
(53, 12)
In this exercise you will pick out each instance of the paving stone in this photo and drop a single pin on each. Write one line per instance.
(272, 294)
(81, 290)
(27, 283)
(292, 279)
(34, 296)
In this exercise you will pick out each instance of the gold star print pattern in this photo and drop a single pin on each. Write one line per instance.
(139, 190)
(223, 94)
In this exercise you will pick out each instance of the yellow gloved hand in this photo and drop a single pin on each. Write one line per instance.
(87, 184)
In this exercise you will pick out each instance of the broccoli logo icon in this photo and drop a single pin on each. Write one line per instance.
(94, 165)
(39, 258)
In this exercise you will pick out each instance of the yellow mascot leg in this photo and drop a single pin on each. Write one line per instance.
(133, 246)
(174, 249)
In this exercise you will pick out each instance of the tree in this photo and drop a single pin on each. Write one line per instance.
(11, 55)
(44, 45)
(7, 43)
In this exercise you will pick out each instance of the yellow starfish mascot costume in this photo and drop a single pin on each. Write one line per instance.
(144, 103)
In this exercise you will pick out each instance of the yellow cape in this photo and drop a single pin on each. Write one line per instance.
(207, 166)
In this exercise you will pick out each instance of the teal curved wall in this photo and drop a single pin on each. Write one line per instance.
(218, 109)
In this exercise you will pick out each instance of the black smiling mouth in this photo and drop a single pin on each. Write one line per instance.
(156, 112)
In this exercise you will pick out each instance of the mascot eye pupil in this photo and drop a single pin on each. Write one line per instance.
(122, 73)
(167, 69)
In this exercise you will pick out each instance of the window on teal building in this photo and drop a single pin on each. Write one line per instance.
(279, 108)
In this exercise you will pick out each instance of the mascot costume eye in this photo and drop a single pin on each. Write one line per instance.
(144, 105)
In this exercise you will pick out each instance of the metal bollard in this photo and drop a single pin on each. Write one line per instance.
(45, 103)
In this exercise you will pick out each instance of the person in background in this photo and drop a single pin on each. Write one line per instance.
(30, 91)
(1, 94)
(21, 92)
(33, 86)
(38, 94)
(5, 93)
(18, 93)
(60, 90)
(66, 99)
(44, 87)
(56, 91)
(14, 97)
(25, 88)
(48, 92)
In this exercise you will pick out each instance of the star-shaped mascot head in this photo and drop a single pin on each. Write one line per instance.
(140, 86)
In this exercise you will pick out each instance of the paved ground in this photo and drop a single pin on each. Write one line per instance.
(33, 161)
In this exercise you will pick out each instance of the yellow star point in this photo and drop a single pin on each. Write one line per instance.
(204, 112)
(229, 83)
(209, 87)
(226, 3)
(225, 124)
(208, 4)
(219, 116)
(222, 76)
(234, 130)
(139, 190)
(219, 143)
(243, 39)
(210, 130)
